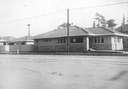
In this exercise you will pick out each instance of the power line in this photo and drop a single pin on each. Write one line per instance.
(100, 5)
(64, 10)
(35, 16)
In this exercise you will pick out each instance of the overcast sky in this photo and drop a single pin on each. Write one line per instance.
(16, 14)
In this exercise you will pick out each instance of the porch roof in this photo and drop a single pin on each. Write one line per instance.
(100, 31)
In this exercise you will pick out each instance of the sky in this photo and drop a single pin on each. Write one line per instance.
(47, 15)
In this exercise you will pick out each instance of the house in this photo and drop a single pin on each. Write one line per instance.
(22, 44)
(4, 40)
(106, 39)
(124, 29)
(81, 39)
(4, 43)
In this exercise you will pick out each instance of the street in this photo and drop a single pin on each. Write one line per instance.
(63, 72)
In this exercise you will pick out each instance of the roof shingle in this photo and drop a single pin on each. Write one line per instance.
(62, 32)
(78, 31)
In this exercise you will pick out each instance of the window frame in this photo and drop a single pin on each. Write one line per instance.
(46, 40)
(98, 40)
(77, 40)
(61, 40)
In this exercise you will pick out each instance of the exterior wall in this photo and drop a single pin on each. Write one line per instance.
(2, 48)
(22, 46)
(110, 43)
(47, 46)
(53, 45)
(125, 42)
(102, 46)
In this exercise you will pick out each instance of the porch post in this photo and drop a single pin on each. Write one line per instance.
(87, 43)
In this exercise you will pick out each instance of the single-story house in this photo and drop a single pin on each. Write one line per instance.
(22, 44)
(4, 43)
(80, 39)
(124, 29)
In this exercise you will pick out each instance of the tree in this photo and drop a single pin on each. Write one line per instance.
(123, 20)
(94, 24)
(111, 23)
(101, 20)
(64, 25)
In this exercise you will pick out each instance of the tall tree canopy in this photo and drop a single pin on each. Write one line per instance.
(123, 20)
(101, 20)
(111, 23)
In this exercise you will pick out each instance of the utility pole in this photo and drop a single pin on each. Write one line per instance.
(28, 29)
(67, 31)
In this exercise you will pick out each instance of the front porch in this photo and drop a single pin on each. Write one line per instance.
(106, 43)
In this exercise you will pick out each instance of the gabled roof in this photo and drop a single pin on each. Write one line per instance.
(62, 32)
(22, 39)
(7, 38)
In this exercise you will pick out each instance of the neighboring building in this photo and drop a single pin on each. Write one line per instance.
(4, 43)
(81, 39)
(22, 44)
(6, 39)
(124, 29)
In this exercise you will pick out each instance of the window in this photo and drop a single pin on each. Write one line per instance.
(95, 40)
(4, 43)
(102, 40)
(61, 40)
(76, 40)
(22, 43)
(47, 40)
(98, 39)
(11, 43)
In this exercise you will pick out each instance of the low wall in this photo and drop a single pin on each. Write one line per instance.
(23, 48)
